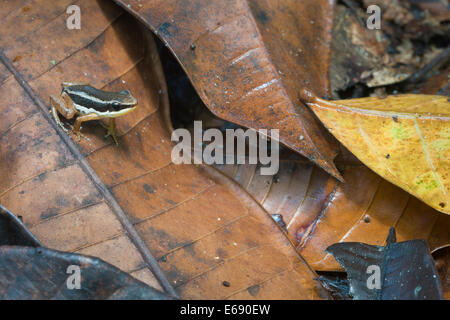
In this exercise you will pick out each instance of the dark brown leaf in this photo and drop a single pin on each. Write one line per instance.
(13, 232)
(406, 270)
(39, 273)
(249, 59)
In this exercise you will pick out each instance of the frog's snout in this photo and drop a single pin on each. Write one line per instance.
(128, 98)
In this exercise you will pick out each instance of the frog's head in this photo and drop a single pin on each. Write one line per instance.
(125, 99)
(122, 103)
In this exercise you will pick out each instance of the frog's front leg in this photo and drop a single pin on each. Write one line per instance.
(111, 130)
(64, 106)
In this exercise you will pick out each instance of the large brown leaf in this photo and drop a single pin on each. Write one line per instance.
(248, 59)
(125, 203)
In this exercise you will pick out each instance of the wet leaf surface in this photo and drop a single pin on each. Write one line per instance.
(404, 138)
(249, 59)
(41, 274)
(397, 271)
(130, 203)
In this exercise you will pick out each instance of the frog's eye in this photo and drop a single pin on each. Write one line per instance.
(127, 92)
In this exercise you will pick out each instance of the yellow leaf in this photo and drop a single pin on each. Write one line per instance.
(404, 138)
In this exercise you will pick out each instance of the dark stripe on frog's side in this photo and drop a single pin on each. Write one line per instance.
(102, 101)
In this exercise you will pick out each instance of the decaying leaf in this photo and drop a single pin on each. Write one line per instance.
(13, 232)
(248, 60)
(404, 138)
(130, 203)
(360, 55)
(338, 285)
(398, 271)
(29, 271)
(367, 61)
(39, 273)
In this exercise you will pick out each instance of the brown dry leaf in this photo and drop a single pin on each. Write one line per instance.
(404, 138)
(319, 211)
(248, 59)
(125, 203)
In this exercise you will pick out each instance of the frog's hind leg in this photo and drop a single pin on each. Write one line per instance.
(111, 130)
(65, 107)
(84, 118)
(80, 120)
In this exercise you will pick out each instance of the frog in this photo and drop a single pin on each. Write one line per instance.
(87, 103)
